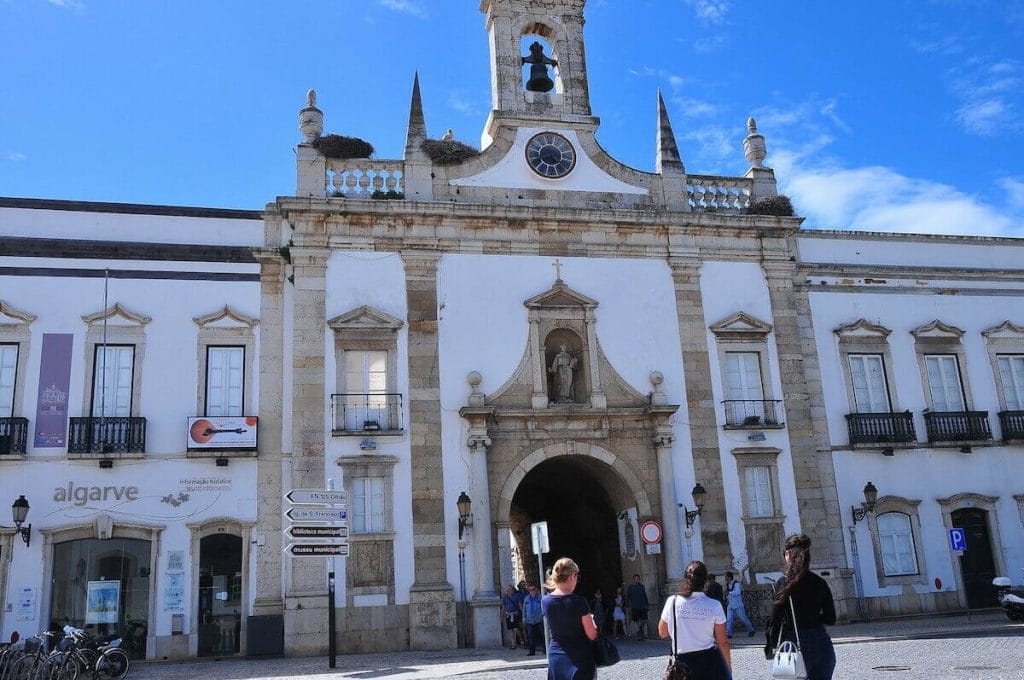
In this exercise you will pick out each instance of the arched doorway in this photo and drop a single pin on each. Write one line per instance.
(579, 497)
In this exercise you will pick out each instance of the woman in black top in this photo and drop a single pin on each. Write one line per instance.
(812, 602)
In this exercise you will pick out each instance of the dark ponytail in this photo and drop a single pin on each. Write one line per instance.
(798, 549)
(694, 579)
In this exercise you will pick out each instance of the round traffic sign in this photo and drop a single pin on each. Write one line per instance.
(650, 532)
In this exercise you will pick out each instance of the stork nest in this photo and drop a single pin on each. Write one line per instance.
(340, 146)
(448, 151)
(779, 206)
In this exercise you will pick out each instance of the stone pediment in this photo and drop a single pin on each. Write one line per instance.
(226, 318)
(741, 326)
(365, 318)
(862, 328)
(1007, 329)
(560, 295)
(9, 316)
(117, 316)
(937, 330)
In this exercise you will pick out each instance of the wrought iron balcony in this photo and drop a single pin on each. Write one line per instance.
(881, 428)
(957, 426)
(753, 413)
(366, 413)
(1012, 425)
(13, 435)
(107, 435)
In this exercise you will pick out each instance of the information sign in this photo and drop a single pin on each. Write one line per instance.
(315, 497)
(539, 533)
(957, 539)
(302, 531)
(319, 549)
(331, 515)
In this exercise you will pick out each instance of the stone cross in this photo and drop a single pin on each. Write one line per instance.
(558, 269)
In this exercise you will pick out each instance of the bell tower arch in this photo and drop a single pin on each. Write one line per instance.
(555, 26)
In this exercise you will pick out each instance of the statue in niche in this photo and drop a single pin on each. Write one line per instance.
(562, 367)
(539, 80)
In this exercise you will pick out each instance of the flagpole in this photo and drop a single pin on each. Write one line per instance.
(103, 367)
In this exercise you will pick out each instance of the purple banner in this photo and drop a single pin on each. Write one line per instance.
(54, 382)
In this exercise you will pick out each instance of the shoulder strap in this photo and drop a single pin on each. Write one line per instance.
(796, 631)
(675, 630)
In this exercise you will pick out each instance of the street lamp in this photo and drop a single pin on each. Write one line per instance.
(19, 512)
(465, 507)
(699, 494)
(870, 498)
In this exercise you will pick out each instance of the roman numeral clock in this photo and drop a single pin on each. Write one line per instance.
(550, 155)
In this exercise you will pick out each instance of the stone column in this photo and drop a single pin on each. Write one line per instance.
(810, 450)
(700, 413)
(306, 593)
(504, 553)
(432, 621)
(669, 507)
(268, 604)
(486, 603)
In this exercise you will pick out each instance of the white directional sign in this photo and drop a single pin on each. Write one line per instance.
(309, 514)
(318, 532)
(319, 549)
(539, 533)
(315, 497)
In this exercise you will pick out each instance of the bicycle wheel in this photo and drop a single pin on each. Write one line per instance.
(112, 664)
(22, 670)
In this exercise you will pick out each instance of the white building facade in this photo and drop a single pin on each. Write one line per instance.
(536, 327)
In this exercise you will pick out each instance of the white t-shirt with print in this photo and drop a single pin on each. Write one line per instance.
(696, 617)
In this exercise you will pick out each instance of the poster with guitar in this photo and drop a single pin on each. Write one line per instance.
(222, 432)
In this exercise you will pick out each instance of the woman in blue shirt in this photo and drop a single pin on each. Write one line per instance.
(572, 628)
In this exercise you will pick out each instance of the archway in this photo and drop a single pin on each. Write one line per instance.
(574, 496)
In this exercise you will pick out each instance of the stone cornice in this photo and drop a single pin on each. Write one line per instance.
(877, 271)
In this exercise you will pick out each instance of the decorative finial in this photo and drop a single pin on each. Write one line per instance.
(754, 147)
(311, 119)
(668, 158)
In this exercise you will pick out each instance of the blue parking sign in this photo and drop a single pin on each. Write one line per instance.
(957, 539)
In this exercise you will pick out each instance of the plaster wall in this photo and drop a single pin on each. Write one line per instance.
(911, 250)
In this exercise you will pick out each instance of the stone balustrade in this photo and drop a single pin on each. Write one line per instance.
(707, 193)
(359, 178)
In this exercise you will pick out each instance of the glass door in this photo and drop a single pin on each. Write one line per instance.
(220, 594)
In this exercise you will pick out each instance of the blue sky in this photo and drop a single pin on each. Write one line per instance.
(902, 115)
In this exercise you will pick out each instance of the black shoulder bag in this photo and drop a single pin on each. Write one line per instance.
(677, 669)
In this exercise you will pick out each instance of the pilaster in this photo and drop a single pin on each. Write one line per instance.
(431, 601)
(700, 413)
(813, 469)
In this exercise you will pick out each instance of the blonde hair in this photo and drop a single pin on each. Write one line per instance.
(560, 573)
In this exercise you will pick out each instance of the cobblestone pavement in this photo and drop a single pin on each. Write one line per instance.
(986, 647)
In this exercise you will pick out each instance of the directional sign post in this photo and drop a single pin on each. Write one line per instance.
(315, 497)
(317, 532)
(308, 514)
(319, 549)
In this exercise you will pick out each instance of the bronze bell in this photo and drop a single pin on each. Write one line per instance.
(539, 80)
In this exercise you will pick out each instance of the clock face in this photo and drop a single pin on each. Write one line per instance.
(550, 155)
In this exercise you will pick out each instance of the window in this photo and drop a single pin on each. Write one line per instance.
(944, 385)
(225, 380)
(8, 378)
(758, 482)
(366, 389)
(870, 392)
(896, 540)
(745, 358)
(743, 376)
(368, 505)
(1011, 374)
(112, 380)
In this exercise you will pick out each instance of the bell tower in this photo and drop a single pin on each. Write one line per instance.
(538, 67)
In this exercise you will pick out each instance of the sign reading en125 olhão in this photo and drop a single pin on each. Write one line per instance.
(319, 549)
(315, 497)
(331, 515)
(300, 531)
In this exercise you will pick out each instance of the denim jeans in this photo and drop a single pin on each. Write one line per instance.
(738, 613)
(535, 636)
(819, 654)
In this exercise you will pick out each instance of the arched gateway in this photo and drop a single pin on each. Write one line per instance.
(588, 497)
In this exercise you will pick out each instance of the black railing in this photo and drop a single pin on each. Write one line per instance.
(957, 426)
(753, 413)
(881, 428)
(13, 435)
(104, 435)
(367, 413)
(1012, 424)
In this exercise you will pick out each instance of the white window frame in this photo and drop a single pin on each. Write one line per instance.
(896, 544)
(226, 327)
(367, 377)
(226, 380)
(945, 381)
(15, 329)
(113, 380)
(123, 327)
(9, 357)
(876, 393)
(1011, 377)
(743, 334)
(938, 339)
(367, 504)
(759, 499)
(904, 506)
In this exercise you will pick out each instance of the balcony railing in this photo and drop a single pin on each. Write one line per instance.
(107, 435)
(366, 413)
(13, 435)
(957, 426)
(881, 428)
(753, 413)
(1012, 424)
(707, 193)
(355, 178)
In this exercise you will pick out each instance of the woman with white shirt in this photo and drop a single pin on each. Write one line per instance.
(696, 625)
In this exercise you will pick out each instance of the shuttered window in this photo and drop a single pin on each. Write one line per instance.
(896, 538)
(758, 482)
(8, 376)
(1011, 374)
(366, 385)
(367, 505)
(112, 381)
(869, 385)
(225, 379)
(944, 382)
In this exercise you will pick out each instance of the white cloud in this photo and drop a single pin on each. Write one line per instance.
(986, 90)
(710, 11)
(465, 105)
(75, 5)
(1014, 188)
(709, 43)
(15, 156)
(405, 6)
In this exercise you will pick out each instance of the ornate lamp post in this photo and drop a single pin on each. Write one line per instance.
(870, 498)
(19, 512)
(465, 507)
(699, 494)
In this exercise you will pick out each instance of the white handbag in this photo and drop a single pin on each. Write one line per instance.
(788, 663)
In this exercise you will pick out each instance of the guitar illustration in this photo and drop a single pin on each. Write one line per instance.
(202, 431)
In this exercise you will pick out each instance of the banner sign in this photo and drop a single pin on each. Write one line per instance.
(221, 432)
(54, 381)
(102, 601)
